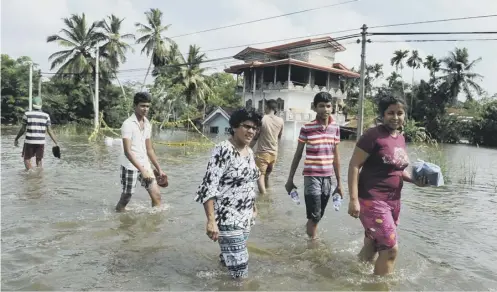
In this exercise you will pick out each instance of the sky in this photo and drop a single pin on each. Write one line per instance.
(25, 25)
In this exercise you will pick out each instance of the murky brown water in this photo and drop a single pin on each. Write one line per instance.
(59, 231)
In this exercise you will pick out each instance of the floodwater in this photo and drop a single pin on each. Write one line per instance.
(59, 230)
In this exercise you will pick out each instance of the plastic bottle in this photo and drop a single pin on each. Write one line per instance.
(295, 196)
(337, 201)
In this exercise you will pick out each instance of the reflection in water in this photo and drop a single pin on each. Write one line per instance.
(59, 230)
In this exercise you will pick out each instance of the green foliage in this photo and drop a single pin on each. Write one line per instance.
(414, 132)
(485, 127)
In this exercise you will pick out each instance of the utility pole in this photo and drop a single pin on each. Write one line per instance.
(360, 124)
(30, 86)
(96, 101)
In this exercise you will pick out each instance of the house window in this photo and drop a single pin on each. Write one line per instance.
(214, 130)
(227, 130)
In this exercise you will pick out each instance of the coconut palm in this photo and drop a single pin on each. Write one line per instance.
(393, 78)
(156, 45)
(115, 48)
(398, 62)
(191, 76)
(78, 61)
(414, 62)
(432, 64)
(458, 74)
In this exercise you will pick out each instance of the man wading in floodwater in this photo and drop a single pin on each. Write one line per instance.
(35, 123)
(267, 143)
(137, 144)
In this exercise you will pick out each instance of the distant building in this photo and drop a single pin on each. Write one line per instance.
(292, 74)
(217, 121)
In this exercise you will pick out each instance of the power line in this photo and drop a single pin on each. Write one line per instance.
(350, 30)
(434, 21)
(266, 18)
(431, 33)
(432, 40)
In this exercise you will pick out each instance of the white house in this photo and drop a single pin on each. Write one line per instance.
(292, 74)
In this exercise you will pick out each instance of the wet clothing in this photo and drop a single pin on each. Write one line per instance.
(129, 179)
(234, 253)
(380, 185)
(380, 220)
(265, 162)
(31, 150)
(317, 193)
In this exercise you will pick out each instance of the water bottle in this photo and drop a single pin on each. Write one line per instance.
(295, 196)
(337, 201)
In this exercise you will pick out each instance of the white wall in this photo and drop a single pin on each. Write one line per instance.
(322, 57)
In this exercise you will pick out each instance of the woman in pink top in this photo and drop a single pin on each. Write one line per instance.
(381, 157)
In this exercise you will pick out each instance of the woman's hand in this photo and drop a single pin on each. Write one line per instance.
(212, 230)
(422, 181)
(254, 214)
(354, 208)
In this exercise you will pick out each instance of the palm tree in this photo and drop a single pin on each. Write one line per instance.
(432, 64)
(115, 49)
(414, 62)
(155, 43)
(373, 72)
(173, 61)
(458, 74)
(398, 62)
(78, 61)
(393, 78)
(192, 78)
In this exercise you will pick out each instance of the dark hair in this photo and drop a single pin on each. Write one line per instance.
(322, 97)
(386, 99)
(142, 97)
(242, 115)
(272, 105)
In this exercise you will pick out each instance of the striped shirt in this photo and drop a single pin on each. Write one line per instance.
(36, 123)
(320, 145)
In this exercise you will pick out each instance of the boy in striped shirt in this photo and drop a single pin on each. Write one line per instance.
(35, 123)
(320, 138)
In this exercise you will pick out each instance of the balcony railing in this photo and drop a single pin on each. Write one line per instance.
(293, 115)
(270, 86)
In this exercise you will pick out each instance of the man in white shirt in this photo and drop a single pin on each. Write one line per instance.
(137, 146)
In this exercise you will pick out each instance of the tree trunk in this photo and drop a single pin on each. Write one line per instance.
(93, 101)
(148, 70)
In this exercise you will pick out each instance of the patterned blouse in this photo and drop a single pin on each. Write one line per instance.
(230, 178)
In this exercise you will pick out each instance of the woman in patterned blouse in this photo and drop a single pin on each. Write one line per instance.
(228, 192)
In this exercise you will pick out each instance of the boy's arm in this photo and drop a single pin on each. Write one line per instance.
(336, 168)
(295, 163)
(151, 155)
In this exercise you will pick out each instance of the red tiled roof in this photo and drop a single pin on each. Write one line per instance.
(237, 68)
